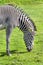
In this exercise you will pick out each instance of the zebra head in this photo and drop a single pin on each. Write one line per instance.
(29, 34)
(28, 38)
(28, 27)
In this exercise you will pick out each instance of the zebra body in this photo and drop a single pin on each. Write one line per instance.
(11, 17)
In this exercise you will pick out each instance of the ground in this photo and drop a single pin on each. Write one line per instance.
(20, 56)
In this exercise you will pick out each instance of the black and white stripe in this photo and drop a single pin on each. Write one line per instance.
(26, 23)
(22, 26)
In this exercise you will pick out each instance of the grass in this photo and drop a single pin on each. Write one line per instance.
(20, 56)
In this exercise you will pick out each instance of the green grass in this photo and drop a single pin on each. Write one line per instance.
(20, 56)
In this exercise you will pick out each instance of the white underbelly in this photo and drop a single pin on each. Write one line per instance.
(2, 26)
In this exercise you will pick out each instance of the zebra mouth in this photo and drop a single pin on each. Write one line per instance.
(29, 49)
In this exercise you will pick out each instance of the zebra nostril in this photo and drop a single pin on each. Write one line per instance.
(29, 49)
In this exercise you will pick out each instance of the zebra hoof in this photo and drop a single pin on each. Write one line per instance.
(9, 54)
(29, 48)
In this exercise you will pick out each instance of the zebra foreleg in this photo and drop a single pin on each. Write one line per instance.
(8, 32)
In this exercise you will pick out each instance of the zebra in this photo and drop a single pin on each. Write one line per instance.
(12, 16)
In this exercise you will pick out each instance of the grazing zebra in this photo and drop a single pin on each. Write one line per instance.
(11, 17)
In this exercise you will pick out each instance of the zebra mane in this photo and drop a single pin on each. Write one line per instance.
(18, 8)
(21, 10)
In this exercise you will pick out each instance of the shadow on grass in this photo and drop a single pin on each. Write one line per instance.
(12, 52)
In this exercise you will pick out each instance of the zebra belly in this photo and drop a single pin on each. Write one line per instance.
(2, 27)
